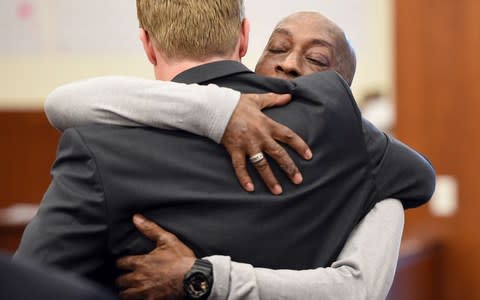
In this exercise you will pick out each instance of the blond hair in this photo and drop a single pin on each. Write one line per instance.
(197, 29)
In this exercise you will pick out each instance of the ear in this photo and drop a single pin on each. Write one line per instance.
(148, 46)
(244, 37)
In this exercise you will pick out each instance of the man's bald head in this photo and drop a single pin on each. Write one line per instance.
(304, 43)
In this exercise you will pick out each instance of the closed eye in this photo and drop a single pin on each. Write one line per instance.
(277, 50)
(317, 62)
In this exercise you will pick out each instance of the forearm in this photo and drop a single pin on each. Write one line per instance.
(128, 101)
(364, 269)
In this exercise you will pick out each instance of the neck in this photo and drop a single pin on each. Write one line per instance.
(167, 70)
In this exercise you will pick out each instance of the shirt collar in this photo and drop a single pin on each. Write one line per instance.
(207, 72)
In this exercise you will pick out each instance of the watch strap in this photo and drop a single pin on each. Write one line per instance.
(205, 268)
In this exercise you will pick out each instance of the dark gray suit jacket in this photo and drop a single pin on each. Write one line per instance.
(105, 174)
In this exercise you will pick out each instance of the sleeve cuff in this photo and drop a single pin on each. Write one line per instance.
(221, 276)
(224, 101)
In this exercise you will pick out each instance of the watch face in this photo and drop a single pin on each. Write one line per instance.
(197, 285)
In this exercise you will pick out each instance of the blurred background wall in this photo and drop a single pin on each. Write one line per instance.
(437, 46)
(49, 42)
(424, 54)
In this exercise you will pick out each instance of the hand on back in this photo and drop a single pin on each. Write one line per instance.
(251, 132)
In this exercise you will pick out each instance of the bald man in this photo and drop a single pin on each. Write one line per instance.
(305, 43)
(301, 44)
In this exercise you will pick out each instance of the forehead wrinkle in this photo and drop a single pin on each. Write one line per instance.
(284, 31)
(311, 42)
(320, 42)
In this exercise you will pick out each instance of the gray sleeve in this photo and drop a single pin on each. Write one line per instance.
(364, 269)
(129, 101)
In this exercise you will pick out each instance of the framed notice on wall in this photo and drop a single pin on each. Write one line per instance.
(20, 26)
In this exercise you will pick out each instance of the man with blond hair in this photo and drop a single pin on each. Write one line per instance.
(105, 174)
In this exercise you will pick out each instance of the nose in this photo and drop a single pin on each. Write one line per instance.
(289, 67)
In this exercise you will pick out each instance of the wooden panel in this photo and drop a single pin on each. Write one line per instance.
(419, 271)
(438, 102)
(10, 238)
(27, 149)
(13, 221)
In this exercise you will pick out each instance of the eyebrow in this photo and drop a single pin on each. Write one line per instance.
(320, 42)
(313, 42)
(283, 31)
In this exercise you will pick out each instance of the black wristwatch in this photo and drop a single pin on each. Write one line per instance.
(198, 282)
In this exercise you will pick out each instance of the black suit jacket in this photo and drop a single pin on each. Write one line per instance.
(185, 183)
(24, 280)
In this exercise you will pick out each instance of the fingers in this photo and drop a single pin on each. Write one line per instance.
(285, 135)
(270, 99)
(127, 280)
(151, 230)
(250, 132)
(129, 262)
(154, 232)
(263, 168)
(270, 146)
(240, 168)
(280, 155)
(132, 294)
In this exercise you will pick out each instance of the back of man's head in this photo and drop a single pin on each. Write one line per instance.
(192, 29)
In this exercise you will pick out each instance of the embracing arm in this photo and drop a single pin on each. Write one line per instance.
(209, 110)
(364, 269)
(130, 101)
(69, 230)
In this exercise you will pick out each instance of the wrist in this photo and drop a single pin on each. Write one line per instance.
(222, 104)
